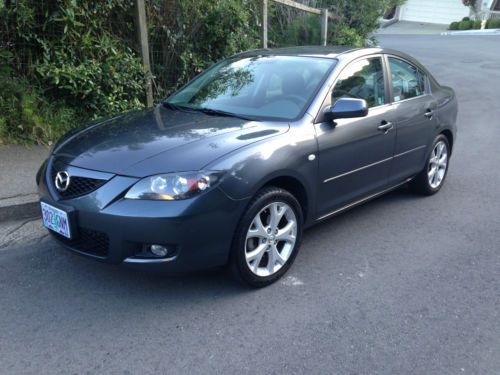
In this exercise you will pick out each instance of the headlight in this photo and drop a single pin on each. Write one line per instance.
(173, 186)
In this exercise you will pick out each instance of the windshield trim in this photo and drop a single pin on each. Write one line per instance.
(267, 118)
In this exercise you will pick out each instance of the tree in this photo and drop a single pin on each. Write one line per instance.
(353, 22)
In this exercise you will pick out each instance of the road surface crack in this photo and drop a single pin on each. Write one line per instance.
(12, 231)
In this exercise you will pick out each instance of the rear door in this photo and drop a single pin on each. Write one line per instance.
(355, 154)
(413, 108)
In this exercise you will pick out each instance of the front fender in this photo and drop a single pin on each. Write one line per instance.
(288, 155)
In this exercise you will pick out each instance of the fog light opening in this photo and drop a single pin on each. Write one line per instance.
(159, 251)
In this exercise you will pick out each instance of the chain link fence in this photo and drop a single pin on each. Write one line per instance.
(69, 50)
(184, 36)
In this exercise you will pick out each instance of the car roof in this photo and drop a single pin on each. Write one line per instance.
(313, 51)
(334, 52)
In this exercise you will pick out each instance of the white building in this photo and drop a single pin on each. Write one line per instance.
(441, 11)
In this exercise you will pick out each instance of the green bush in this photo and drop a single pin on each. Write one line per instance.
(63, 62)
(300, 31)
(74, 51)
(27, 117)
(355, 20)
(493, 24)
(465, 25)
(111, 81)
(188, 36)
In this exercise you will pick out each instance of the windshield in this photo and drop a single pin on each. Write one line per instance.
(275, 87)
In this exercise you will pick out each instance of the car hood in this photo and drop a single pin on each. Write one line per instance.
(159, 140)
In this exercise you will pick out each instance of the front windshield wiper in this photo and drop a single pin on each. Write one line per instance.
(208, 111)
(176, 107)
(218, 112)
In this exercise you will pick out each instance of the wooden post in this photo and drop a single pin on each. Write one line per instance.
(263, 35)
(324, 26)
(142, 38)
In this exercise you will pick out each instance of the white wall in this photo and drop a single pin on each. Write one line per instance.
(434, 11)
(486, 4)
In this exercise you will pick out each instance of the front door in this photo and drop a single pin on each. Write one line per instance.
(355, 155)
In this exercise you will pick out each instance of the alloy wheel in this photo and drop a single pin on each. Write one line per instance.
(271, 239)
(437, 164)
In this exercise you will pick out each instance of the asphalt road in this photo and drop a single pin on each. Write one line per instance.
(402, 285)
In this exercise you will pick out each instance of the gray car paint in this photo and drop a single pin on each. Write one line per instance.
(354, 158)
(160, 140)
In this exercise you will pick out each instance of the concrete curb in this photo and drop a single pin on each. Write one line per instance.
(19, 207)
(484, 32)
(386, 23)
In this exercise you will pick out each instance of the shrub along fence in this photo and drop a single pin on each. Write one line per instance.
(468, 24)
(213, 32)
(64, 62)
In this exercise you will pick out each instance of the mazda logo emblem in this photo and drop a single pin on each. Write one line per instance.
(62, 181)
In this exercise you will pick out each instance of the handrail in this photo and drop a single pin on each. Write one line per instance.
(324, 13)
(300, 6)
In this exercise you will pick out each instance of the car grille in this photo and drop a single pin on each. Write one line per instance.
(88, 241)
(78, 185)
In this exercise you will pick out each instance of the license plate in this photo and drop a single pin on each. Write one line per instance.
(55, 219)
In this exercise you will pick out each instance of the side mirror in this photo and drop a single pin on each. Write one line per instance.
(346, 108)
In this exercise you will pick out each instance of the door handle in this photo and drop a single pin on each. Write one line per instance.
(385, 127)
(429, 113)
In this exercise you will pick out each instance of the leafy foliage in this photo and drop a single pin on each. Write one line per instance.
(353, 22)
(493, 24)
(189, 35)
(26, 116)
(74, 51)
(465, 25)
(104, 84)
(63, 62)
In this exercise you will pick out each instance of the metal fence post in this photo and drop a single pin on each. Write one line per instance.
(263, 35)
(142, 38)
(324, 26)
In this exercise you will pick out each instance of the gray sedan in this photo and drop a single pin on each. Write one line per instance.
(231, 169)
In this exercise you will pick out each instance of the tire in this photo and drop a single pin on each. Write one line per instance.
(425, 182)
(260, 256)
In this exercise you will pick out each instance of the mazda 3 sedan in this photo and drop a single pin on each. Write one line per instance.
(231, 168)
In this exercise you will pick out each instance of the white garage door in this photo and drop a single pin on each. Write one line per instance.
(434, 11)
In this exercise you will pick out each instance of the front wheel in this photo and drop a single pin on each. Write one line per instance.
(432, 177)
(268, 237)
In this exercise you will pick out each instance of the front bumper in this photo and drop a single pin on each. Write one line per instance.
(115, 230)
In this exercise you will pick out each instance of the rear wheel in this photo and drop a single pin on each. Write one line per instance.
(268, 237)
(432, 177)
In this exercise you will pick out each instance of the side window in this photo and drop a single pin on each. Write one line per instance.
(363, 79)
(407, 81)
